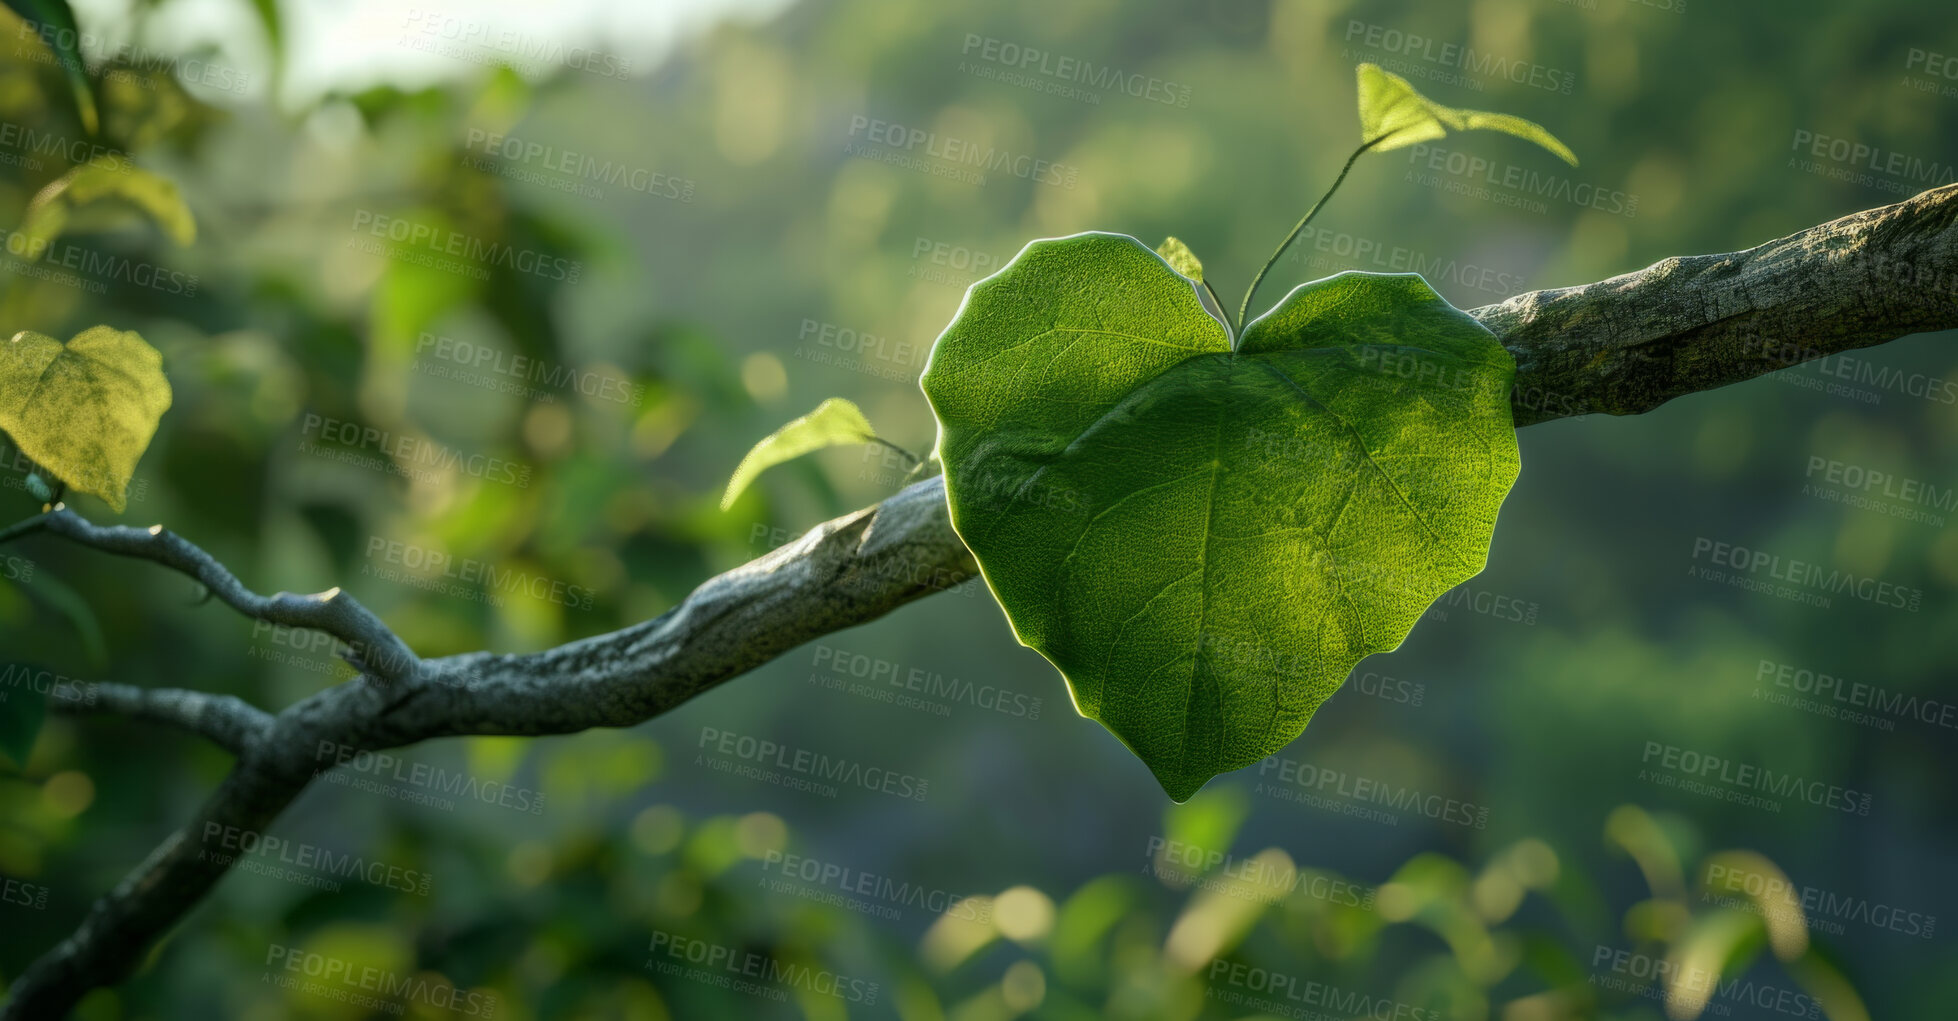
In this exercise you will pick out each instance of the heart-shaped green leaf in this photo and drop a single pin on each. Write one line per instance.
(84, 410)
(1394, 112)
(1205, 541)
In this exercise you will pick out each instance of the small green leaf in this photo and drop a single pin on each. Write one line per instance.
(1392, 111)
(1205, 541)
(22, 708)
(833, 423)
(54, 23)
(105, 177)
(84, 410)
(1180, 258)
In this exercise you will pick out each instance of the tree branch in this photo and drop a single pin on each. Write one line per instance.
(231, 723)
(124, 923)
(20, 528)
(371, 647)
(1626, 345)
(1620, 346)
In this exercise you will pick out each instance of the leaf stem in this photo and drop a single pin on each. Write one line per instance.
(1244, 309)
(918, 470)
(914, 459)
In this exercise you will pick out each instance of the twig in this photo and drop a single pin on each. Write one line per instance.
(25, 526)
(228, 721)
(371, 647)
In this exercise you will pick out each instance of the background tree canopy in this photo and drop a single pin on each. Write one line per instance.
(484, 350)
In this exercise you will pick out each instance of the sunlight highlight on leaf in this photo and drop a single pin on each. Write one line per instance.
(1394, 112)
(834, 422)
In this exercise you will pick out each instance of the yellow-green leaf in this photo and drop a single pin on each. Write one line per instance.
(84, 410)
(834, 422)
(105, 177)
(1393, 112)
(1180, 258)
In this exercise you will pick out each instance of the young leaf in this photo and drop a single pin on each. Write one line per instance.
(54, 23)
(833, 423)
(1392, 111)
(1180, 258)
(1205, 541)
(105, 177)
(84, 410)
(1184, 261)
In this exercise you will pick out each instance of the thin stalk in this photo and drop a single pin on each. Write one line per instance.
(1244, 309)
(918, 470)
(913, 458)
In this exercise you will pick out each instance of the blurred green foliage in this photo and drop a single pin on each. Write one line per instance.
(680, 319)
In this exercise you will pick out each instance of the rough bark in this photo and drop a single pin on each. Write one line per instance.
(1631, 343)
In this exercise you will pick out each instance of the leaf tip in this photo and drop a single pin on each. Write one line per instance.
(1182, 788)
